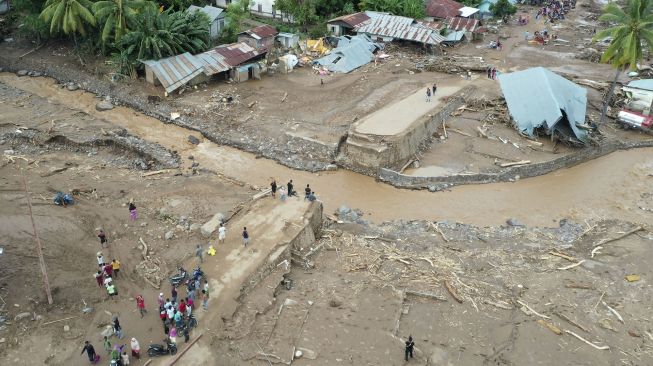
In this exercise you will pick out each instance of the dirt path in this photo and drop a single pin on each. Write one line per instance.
(611, 184)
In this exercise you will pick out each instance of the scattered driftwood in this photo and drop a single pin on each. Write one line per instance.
(596, 251)
(500, 304)
(572, 265)
(459, 132)
(444, 129)
(521, 162)
(436, 227)
(452, 291)
(586, 341)
(613, 311)
(629, 232)
(54, 171)
(550, 326)
(285, 95)
(262, 194)
(531, 310)
(482, 132)
(581, 286)
(410, 161)
(155, 172)
(562, 255)
(427, 295)
(251, 104)
(565, 318)
(151, 283)
(144, 251)
(60, 320)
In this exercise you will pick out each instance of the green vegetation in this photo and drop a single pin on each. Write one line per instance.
(115, 16)
(503, 8)
(407, 8)
(237, 12)
(68, 16)
(630, 30)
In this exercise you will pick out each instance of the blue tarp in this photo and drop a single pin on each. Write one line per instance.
(351, 53)
(538, 97)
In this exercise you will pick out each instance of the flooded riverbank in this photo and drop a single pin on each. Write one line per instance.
(608, 186)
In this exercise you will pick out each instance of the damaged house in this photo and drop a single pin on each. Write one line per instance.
(543, 102)
(637, 106)
(383, 27)
(351, 53)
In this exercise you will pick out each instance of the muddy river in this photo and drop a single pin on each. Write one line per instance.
(607, 187)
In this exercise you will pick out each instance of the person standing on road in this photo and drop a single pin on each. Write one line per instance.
(107, 344)
(307, 191)
(115, 266)
(435, 88)
(124, 358)
(160, 300)
(222, 231)
(133, 214)
(140, 305)
(117, 329)
(108, 270)
(90, 352)
(99, 278)
(103, 237)
(199, 253)
(409, 348)
(136, 349)
(428, 95)
(174, 294)
(245, 237)
(100, 259)
(290, 189)
(205, 300)
(282, 194)
(273, 187)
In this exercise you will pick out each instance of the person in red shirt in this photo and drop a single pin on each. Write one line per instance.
(140, 304)
(108, 269)
(99, 278)
(182, 307)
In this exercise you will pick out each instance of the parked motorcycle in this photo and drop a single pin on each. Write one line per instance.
(180, 277)
(190, 323)
(160, 350)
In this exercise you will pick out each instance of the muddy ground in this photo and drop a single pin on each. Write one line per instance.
(376, 275)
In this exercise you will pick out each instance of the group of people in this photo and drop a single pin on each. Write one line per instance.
(492, 73)
(107, 272)
(555, 10)
(177, 315)
(309, 194)
(431, 92)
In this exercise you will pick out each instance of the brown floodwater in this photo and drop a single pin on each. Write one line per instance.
(610, 186)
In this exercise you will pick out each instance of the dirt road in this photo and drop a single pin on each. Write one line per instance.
(610, 184)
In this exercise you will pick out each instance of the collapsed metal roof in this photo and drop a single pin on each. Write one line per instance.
(386, 25)
(351, 53)
(351, 20)
(538, 97)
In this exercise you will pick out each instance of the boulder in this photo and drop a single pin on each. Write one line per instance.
(331, 167)
(35, 74)
(104, 106)
(66, 328)
(212, 225)
(514, 222)
(193, 140)
(168, 235)
(22, 316)
(22, 73)
(72, 86)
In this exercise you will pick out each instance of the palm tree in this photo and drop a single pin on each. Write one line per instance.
(117, 16)
(630, 30)
(155, 35)
(69, 16)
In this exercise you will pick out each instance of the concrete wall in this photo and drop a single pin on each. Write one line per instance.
(367, 153)
(311, 228)
(506, 174)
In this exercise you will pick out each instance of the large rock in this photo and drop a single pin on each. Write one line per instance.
(104, 106)
(193, 140)
(212, 225)
(22, 316)
(169, 235)
(72, 86)
(22, 73)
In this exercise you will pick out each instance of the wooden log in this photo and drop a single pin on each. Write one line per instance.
(586, 341)
(571, 265)
(550, 326)
(155, 172)
(60, 320)
(568, 320)
(452, 291)
(562, 255)
(521, 162)
(459, 132)
(178, 355)
(531, 310)
(427, 295)
(251, 104)
(629, 232)
(285, 95)
(262, 194)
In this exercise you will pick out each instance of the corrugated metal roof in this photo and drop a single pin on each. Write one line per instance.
(537, 97)
(443, 8)
(458, 23)
(397, 27)
(353, 20)
(350, 54)
(455, 36)
(645, 84)
(466, 11)
(213, 62)
(236, 53)
(211, 12)
(262, 31)
(175, 71)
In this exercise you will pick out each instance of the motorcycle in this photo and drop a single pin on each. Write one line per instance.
(160, 350)
(179, 277)
(190, 324)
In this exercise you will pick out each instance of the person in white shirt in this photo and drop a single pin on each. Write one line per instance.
(222, 234)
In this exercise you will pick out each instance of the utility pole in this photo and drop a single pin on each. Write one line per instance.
(39, 249)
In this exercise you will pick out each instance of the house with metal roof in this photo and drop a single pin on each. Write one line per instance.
(347, 23)
(541, 101)
(384, 27)
(237, 61)
(442, 9)
(216, 18)
(470, 28)
(259, 37)
(352, 52)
